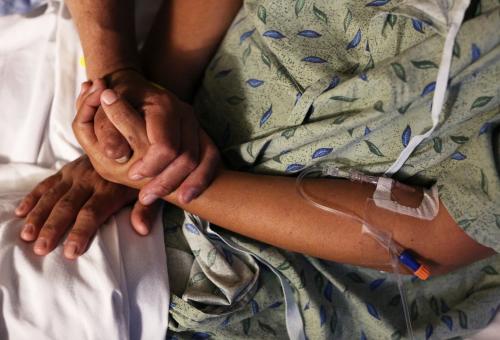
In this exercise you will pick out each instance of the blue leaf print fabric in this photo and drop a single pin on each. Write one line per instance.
(405, 137)
(294, 167)
(309, 34)
(429, 88)
(485, 127)
(333, 83)
(343, 83)
(355, 41)
(192, 229)
(273, 34)
(475, 52)
(376, 283)
(321, 152)
(418, 25)
(322, 315)
(328, 291)
(246, 35)
(266, 116)
(315, 60)
(255, 82)
(458, 156)
(448, 321)
(428, 331)
(377, 3)
(372, 310)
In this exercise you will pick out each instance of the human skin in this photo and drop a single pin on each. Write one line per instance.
(269, 209)
(182, 41)
(107, 34)
(77, 199)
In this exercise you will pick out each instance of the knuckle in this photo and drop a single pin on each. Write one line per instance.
(79, 234)
(49, 229)
(46, 185)
(162, 99)
(188, 163)
(166, 152)
(163, 186)
(66, 206)
(89, 213)
(28, 199)
(51, 192)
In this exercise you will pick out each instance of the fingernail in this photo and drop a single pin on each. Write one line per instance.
(142, 229)
(108, 97)
(28, 232)
(147, 199)
(40, 246)
(123, 159)
(20, 209)
(71, 250)
(136, 177)
(190, 194)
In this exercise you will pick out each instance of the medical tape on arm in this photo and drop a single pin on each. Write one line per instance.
(427, 209)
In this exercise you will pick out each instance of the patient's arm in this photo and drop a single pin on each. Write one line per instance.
(269, 209)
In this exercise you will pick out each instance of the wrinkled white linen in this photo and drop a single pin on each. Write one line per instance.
(119, 288)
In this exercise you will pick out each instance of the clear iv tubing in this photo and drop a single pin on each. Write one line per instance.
(383, 238)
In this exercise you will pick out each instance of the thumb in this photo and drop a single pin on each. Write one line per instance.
(125, 118)
(143, 217)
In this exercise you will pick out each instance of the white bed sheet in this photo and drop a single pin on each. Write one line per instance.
(119, 288)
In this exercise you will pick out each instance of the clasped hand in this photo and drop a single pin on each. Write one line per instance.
(172, 157)
(188, 174)
(126, 150)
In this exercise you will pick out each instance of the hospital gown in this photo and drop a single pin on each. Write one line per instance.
(347, 83)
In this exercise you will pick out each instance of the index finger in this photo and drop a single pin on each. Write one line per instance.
(83, 124)
(126, 119)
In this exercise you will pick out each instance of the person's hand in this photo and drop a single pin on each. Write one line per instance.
(78, 200)
(133, 128)
(174, 139)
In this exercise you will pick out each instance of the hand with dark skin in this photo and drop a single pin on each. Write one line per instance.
(182, 41)
(76, 199)
(176, 61)
(173, 132)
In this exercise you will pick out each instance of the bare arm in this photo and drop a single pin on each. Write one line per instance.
(183, 39)
(268, 208)
(107, 33)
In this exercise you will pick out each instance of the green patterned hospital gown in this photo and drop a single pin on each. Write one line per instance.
(347, 83)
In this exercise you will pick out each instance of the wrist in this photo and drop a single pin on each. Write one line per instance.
(108, 52)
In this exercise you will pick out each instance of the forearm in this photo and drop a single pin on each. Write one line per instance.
(269, 209)
(107, 33)
(182, 41)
